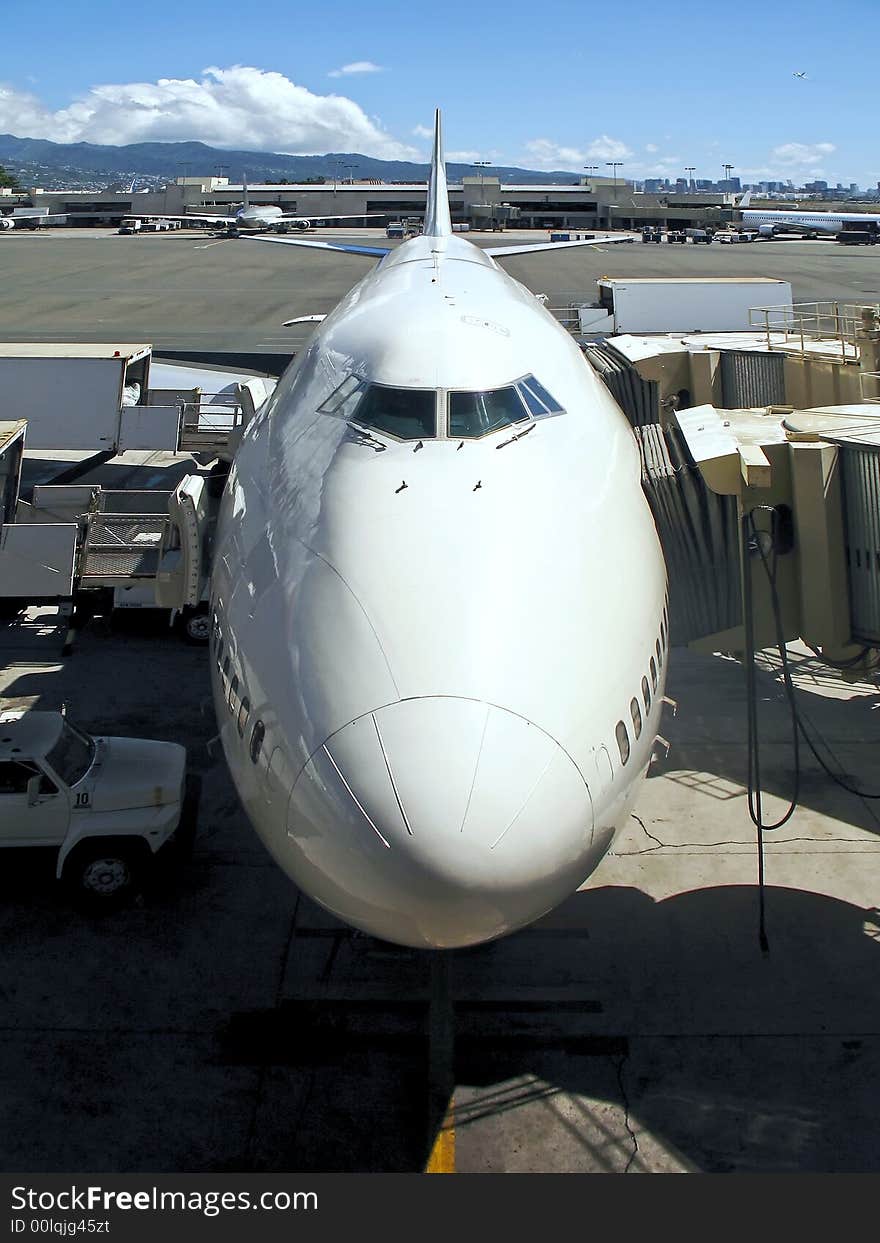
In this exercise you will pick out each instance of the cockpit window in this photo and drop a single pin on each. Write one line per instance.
(343, 400)
(477, 414)
(538, 400)
(406, 413)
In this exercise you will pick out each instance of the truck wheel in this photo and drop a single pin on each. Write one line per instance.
(103, 877)
(195, 626)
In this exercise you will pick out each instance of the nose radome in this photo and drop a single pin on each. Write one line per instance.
(454, 807)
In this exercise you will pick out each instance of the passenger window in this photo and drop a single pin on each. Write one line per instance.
(233, 694)
(636, 714)
(257, 740)
(243, 714)
(226, 668)
(646, 694)
(477, 414)
(622, 741)
(653, 674)
(405, 413)
(220, 646)
(659, 655)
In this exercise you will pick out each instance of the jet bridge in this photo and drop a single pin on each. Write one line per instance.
(780, 425)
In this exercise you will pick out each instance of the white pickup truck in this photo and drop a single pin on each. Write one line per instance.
(108, 806)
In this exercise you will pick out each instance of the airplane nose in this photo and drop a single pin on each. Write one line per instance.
(441, 822)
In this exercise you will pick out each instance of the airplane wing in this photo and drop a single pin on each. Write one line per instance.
(159, 215)
(374, 252)
(352, 215)
(499, 252)
(21, 215)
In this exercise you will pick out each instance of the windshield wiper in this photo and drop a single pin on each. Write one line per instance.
(518, 436)
(367, 438)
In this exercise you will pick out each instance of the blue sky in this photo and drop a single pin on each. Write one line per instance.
(657, 86)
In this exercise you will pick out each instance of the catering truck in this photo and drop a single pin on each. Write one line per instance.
(681, 304)
(109, 808)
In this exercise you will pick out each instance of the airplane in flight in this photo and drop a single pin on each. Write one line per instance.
(255, 217)
(799, 74)
(439, 623)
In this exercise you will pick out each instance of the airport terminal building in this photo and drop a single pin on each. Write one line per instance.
(480, 201)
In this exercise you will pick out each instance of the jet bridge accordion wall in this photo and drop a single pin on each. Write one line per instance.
(698, 530)
(751, 378)
(861, 491)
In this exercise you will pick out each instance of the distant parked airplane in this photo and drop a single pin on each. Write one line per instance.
(28, 220)
(257, 217)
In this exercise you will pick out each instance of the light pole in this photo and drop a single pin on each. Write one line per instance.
(614, 165)
(591, 168)
(689, 168)
(727, 171)
(481, 164)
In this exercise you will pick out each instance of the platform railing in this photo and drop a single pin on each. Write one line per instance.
(796, 327)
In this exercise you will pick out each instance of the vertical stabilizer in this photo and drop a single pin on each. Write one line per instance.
(245, 200)
(438, 222)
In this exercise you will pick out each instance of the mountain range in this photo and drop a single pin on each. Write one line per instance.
(172, 159)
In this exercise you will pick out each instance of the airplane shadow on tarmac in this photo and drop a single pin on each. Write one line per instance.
(711, 1055)
(620, 1033)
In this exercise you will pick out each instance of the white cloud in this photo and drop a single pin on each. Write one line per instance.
(545, 154)
(422, 131)
(239, 107)
(605, 148)
(803, 154)
(465, 157)
(356, 66)
(650, 146)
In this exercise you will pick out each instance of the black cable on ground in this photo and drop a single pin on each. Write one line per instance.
(756, 541)
(839, 664)
(753, 541)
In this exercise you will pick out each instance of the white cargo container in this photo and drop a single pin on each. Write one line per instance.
(680, 304)
(72, 396)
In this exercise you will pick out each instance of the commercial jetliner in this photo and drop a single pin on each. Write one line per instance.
(438, 608)
(811, 223)
(256, 217)
(28, 220)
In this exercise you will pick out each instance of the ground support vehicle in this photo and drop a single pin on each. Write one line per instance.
(111, 809)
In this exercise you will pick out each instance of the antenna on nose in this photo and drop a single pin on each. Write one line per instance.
(438, 222)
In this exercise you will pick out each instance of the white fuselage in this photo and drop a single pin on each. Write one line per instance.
(258, 217)
(808, 221)
(438, 641)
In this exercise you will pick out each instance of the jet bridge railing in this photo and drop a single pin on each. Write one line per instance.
(563, 305)
(797, 328)
(207, 425)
